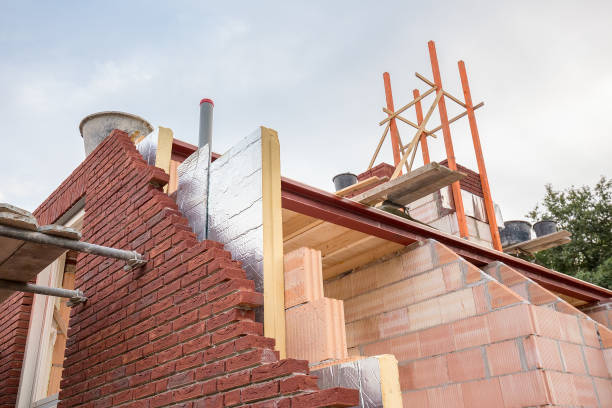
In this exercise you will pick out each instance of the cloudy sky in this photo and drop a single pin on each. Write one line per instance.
(313, 71)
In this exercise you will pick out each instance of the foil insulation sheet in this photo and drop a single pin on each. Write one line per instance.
(235, 205)
(148, 148)
(192, 190)
(363, 374)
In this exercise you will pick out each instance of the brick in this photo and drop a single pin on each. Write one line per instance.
(585, 392)
(466, 365)
(482, 394)
(524, 389)
(331, 397)
(449, 396)
(303, 276)
(424, 373)
(595, 362)
(436, 340)
(510, 323)
(260, 391)
(539, 296)
(546, 322)
(473, 331)
(404, 348)
(298, 383)
(501, 295)
(561, 386)
(572, 357)
(503, 358)
(542, 353)
(316, 331)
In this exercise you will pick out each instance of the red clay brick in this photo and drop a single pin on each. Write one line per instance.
(466, 365)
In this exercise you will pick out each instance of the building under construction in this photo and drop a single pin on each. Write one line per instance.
(196, 279)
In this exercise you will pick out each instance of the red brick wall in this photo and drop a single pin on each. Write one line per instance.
(471, 183)
(463, 339)
(181, 330)
(14, 321)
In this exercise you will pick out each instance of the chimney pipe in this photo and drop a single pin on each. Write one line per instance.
(96, 127)
(206, 117)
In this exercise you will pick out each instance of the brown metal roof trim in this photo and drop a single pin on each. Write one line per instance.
(321, 204)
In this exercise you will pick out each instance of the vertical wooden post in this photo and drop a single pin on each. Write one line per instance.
(397, 155)
(419, 114)
(484, 180)
(448, 142)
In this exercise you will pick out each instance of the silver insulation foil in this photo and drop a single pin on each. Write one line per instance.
(192, 190)
(235, 207)
(148, 148)
(363, 375)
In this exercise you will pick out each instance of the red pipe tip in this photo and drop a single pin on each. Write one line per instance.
(208, 101)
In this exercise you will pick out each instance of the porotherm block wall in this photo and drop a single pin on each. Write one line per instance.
(463, 339)
(181, 330)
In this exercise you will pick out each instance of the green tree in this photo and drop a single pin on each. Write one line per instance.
(586, 213)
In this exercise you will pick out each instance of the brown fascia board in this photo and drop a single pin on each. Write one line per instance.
(307, 200)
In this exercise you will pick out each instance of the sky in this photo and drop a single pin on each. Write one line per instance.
(312, 70)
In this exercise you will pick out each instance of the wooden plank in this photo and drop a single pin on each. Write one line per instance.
(296, 224)
(315, 237)
(540, 244)
(28, 260)
(18, 221)
(5, 207)
(164, 151)
(380, 142)
(357, 258)
(274, 282)
(60, 231)
(416, 137)
(8, 246)
(428, 82)
(362, 184)
(403, 108)
(412, 186)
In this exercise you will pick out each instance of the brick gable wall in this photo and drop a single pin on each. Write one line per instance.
(14, 321)
(181, 330)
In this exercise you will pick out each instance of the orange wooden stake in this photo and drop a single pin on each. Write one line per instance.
(448, 143)
(419, 114)
(397, 156)
(484, 180)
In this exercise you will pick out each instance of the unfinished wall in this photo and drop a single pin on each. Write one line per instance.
(601, 313)
(14, 321)
(181, 330)
(463, 339)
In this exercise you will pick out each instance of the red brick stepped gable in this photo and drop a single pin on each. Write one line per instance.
(181, 330)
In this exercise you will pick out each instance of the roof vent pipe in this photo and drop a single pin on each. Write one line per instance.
(96, 127)
(206, 117)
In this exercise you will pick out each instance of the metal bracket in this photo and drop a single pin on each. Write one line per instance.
(78, 298)
(135, 262)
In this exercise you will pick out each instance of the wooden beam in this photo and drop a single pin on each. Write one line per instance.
(448, 95)
(448, 143)
(362, 184)
(419, 115)
(416, 137)
(403, 108)
(394, 132)
(382, 139)
(482, 170)
(163, 153)
(274, 283)
(459, 116)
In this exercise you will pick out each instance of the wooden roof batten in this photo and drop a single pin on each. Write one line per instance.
(27, 248)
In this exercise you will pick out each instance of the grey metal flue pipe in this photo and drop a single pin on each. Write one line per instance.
(206, 118)
(42, 290)
(132, 257)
